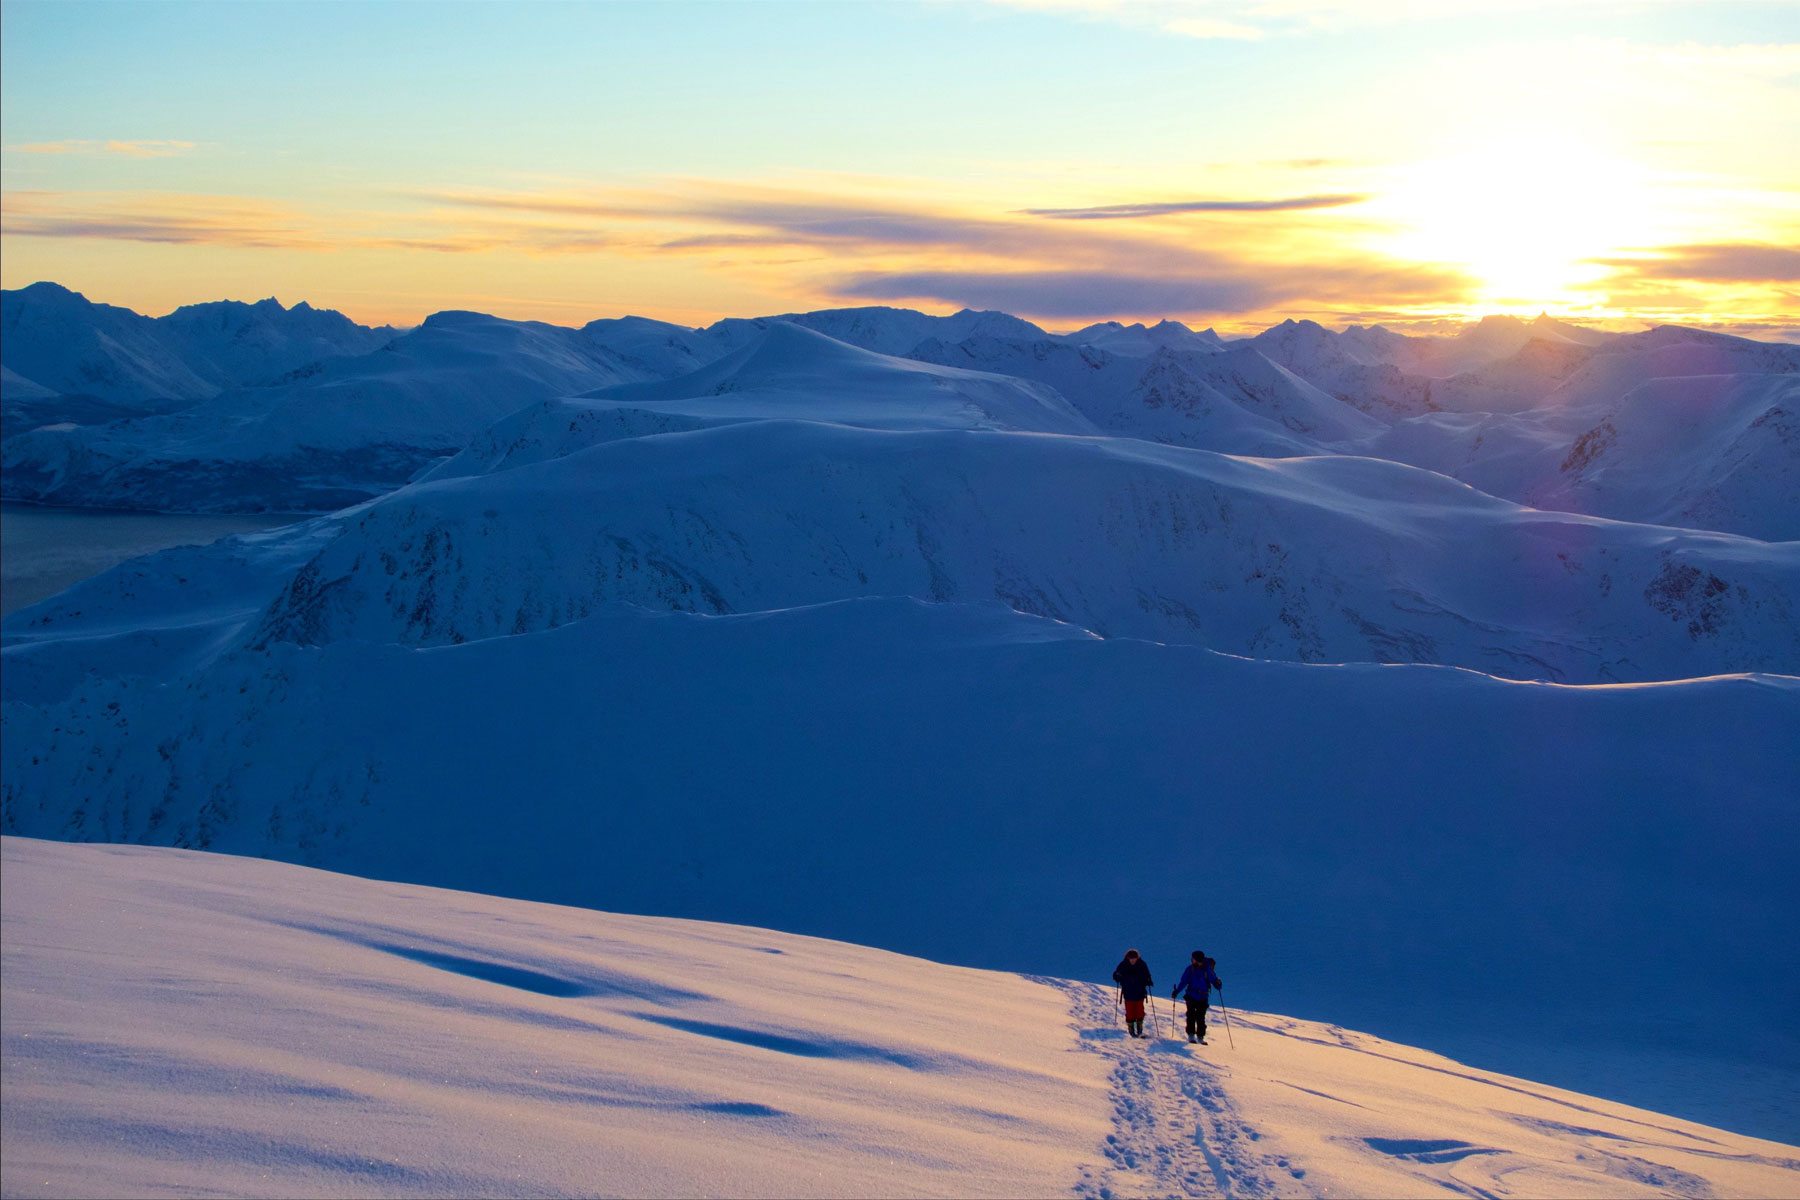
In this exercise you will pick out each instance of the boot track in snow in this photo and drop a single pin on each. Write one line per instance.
(1175, 1130)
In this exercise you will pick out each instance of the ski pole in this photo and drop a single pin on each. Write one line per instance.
(1227, 1012)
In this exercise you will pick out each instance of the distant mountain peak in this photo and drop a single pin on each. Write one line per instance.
(46, 292)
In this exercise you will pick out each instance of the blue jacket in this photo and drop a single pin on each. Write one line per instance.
(1197, 980)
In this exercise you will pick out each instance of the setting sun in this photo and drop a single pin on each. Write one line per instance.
(1528, 218)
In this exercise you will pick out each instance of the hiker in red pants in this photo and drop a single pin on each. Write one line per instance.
(1133, 977)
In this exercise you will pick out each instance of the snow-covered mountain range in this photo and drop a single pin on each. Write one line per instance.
(306, 412)
(99, 362)
(965, 639)
(255, 1029)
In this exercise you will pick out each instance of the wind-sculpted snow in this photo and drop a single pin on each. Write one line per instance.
(1320, 559)
(1521, 875)
(374, 1038)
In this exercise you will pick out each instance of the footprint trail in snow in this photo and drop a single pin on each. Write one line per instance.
(1175, 1129)
(1298, 1108)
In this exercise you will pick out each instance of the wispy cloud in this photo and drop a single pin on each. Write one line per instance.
(712, 215)
(1224, 287)
(138, 148)
(1081, 263)
(1719, 262)
(185, 219)
(161, 218)
(816, 245)
(1118, 212)
(1060, 294)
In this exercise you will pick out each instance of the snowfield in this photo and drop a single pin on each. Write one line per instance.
(181, 1023)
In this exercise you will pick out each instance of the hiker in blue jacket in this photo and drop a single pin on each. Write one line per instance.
(1198, 981)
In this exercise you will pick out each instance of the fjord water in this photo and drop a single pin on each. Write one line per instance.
(46, 549)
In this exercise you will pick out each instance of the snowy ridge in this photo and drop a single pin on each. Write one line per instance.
(366, 1038)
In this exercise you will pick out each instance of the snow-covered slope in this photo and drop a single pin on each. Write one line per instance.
(257, 1029)
(1311, 559)
(261, 1030)
(1709, 452)
(1698, 451)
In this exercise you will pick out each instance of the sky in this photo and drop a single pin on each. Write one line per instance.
(1224, 162)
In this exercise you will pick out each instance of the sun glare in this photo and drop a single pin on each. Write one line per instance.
(1526, 218)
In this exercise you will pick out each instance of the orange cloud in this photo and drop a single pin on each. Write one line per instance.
(1166, 208)
(184, 219)
(1722, 262)
(170, 219)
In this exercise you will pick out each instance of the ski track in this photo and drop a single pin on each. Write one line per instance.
(1175, 1130)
